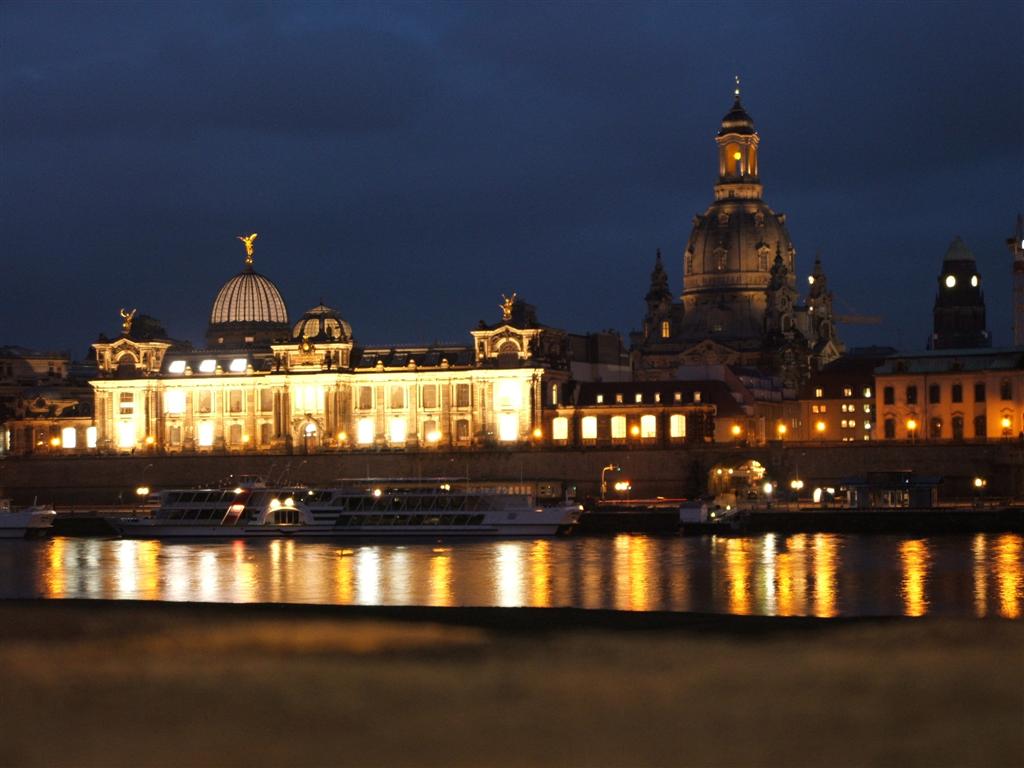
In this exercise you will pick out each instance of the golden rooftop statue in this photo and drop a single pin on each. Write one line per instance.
(248, 240)
(506, 306)
(126, 320)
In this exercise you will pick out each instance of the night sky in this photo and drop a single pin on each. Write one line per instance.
(409, 163)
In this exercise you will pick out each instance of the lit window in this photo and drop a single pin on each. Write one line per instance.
(818, 392)
(174, 401)
(847, 391)
(554, 394)
(599, 399)
(648, 426)
(665, 330)
(814, 409)
(950, 281)
(364, 431)
(205, 434)
(127, 403)
(588, 428)
(639, 398)
(677, 425)
(397, 397)
(508, 427)
(867, 391)
(235, 401)
(208, 366)
(396, 430)
(428, 395)
(68, 437)
(126, 434)
(560, 428)
(696, 396)
(618, 427)
(618, 397)
(867, 425)
(176, 366)
(238, 365)
(507, 395)
(308, 399)
(90, 437)
(657, 397)
(677, 397)
(867, 408)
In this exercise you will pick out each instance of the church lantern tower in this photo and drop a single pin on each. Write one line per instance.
(728, 261)
(959, 312)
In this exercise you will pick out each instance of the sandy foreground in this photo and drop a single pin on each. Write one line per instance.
(97, 683)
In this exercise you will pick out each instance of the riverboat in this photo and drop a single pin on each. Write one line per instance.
(365, 508)
(35, 520)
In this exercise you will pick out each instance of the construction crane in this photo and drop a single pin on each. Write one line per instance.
(853, 317)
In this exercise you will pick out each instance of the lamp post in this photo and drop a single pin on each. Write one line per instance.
(912, 429)
(979, 488)
(604, 482)
(781, 430)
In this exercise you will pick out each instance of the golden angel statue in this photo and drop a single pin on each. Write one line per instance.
(506, 306)
(248, 241)
(126, 320)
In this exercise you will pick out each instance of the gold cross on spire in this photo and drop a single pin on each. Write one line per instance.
(737, 91)
(248, 241)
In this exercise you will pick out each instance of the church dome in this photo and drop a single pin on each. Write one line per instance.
(727, 267)
(321, 323)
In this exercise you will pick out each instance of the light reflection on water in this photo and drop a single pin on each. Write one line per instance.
(772, 574)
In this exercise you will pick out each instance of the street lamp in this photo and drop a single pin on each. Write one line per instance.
(604, 482)
(819, 427)
(781, 430)
(912, 428)
(736, 430)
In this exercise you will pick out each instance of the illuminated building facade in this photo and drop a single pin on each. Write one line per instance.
(261, 385)
(958, 395)
(739, 304)
(838, 402)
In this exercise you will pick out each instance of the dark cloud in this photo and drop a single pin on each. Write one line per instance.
(409, 162)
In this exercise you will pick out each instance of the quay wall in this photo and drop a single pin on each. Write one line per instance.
(669, 472)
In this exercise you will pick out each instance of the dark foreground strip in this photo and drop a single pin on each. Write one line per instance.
(527, 620)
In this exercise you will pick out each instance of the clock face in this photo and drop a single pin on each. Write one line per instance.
(950, 281)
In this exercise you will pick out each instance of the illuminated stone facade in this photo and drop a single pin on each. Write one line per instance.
(320, 391)
(954, 395)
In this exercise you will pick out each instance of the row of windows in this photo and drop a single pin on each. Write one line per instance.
(935, 427)
(430, 395)
(366, 520)
(638, 397)
(645, 429)
(425, 503)
(847, 392)
(956, 393)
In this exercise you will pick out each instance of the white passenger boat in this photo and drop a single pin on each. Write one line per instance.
(35, 520)
(363, 508)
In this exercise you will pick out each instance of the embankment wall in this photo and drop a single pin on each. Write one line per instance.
(665, 472)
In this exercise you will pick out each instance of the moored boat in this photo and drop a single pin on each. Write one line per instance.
(34, 520)
(354, 508)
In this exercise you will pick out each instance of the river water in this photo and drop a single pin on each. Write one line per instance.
(770, 574)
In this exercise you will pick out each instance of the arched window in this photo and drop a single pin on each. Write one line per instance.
(665, 329)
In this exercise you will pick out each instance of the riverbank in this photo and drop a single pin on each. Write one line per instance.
(131, 683)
